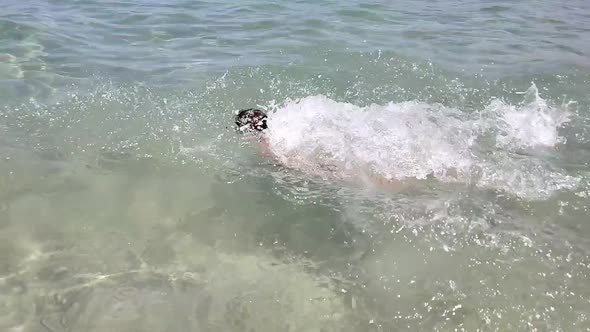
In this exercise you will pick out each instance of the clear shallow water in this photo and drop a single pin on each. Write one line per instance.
(128, 202)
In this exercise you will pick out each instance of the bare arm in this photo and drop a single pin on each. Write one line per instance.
(383, 183)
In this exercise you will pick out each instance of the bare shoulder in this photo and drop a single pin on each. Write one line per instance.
(265, 148)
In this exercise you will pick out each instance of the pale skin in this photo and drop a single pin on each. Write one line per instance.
(362, 178)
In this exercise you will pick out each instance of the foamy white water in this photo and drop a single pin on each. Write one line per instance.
(415, 140)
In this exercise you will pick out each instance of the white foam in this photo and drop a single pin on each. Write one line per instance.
(531, 124)
(416, 140)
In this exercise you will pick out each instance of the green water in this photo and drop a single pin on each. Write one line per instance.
(128, 202)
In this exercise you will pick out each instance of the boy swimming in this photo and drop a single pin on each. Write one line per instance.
(254, 121)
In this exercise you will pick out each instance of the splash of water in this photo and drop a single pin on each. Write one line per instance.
(416, 140)
(532, 123)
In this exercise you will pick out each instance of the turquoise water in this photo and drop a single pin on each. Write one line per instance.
(430, 166)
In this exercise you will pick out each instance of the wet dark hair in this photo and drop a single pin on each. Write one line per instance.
(251, 119)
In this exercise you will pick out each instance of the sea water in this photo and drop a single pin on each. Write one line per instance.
(428, 167)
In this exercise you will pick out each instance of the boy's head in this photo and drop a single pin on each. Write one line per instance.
(251, 119)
